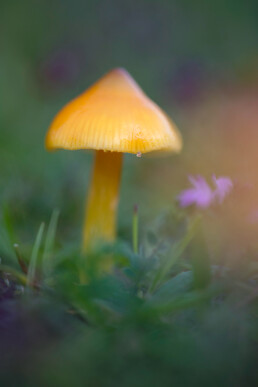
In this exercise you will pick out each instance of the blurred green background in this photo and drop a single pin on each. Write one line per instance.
(198, 60)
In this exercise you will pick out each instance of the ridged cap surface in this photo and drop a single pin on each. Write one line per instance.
(113, 115)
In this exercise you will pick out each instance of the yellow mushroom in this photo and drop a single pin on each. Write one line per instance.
(113, 117)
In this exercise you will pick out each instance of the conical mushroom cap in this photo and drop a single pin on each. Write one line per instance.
(113, 115)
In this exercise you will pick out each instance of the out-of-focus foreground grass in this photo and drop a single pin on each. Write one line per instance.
(165, 317)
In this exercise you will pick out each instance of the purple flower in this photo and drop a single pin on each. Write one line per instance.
(202, 195)
(223, 186)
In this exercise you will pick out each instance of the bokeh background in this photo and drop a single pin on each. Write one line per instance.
(198, 60)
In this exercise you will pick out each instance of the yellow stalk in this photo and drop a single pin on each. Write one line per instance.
(101, 207)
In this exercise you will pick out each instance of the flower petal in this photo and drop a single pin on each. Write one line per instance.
(223, 187)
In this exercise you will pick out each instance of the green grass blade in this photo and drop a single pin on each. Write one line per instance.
(15, 273)
(20, 260)
(49, 244)
(34, 257)
(200, 261)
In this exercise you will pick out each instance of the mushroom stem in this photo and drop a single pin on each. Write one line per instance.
(102, 202)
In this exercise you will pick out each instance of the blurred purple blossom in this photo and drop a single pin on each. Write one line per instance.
(202, 194)
(223, 186)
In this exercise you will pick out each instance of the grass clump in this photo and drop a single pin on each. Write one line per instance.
(165, 314)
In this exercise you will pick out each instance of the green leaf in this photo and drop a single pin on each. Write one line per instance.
(175, 253)
(181, 302)
(177, 285)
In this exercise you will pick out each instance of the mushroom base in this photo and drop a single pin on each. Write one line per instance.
(102, 202)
